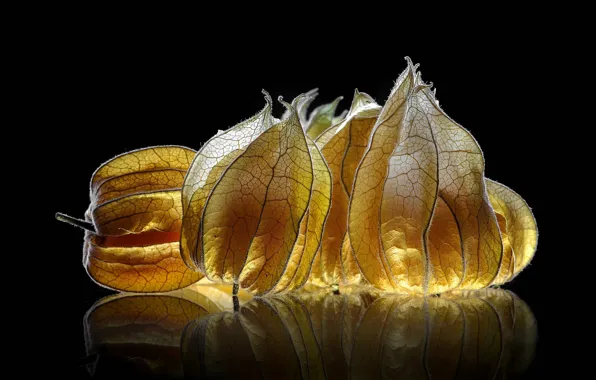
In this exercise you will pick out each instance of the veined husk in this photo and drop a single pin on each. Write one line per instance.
(255, 200)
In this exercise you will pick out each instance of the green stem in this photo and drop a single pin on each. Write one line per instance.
(88, 226)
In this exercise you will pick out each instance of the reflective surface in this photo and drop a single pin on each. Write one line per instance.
(359, 334)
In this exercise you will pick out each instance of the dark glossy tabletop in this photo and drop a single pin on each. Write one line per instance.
(358, 334)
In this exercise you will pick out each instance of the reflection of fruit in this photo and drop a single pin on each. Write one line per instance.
(518, 327)
(141, 333)
(364, 335)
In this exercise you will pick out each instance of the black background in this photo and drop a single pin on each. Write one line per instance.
(113, 89)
